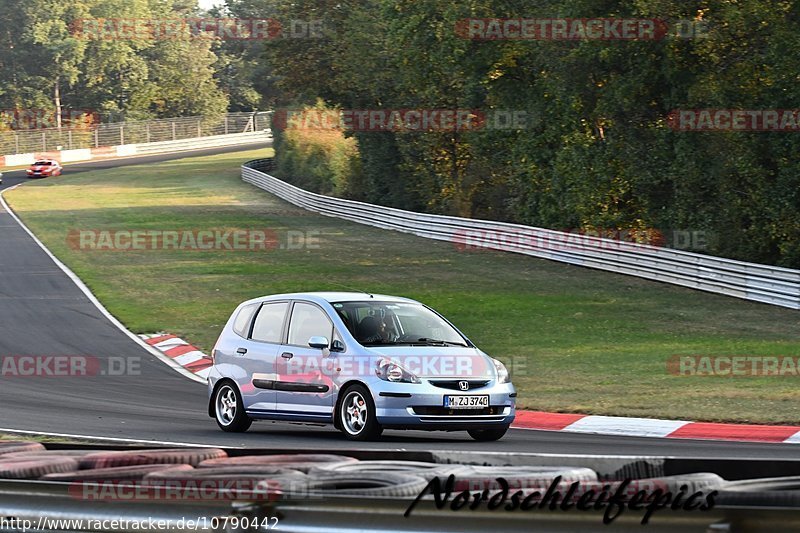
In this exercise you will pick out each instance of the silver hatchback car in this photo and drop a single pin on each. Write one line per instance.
(362, 362)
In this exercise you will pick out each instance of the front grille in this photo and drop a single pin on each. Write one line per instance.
(453, 384)
(446, 411)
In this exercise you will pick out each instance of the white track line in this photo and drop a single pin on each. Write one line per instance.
(75, 279)
(112, 439)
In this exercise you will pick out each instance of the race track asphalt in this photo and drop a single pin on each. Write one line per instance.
(43, 313)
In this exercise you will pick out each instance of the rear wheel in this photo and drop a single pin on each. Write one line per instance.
(356, 415)
(486, 435)
(229, 409)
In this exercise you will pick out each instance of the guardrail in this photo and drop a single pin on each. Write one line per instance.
(21, 141)
(749, 281)
(198, 142)
(125, 150)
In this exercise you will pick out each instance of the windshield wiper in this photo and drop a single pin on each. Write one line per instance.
(424, 341)
(441, 342)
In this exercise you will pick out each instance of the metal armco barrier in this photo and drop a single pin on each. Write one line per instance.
(749, 281)
(126, 150)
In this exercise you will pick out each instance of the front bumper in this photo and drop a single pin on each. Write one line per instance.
(421, 406)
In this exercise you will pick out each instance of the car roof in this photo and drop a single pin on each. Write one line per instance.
(332, 297)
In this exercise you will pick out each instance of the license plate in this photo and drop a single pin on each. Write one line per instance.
(466, 402)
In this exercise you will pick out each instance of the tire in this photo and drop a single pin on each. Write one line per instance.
(14, 446)
(766, 492)
(229, 409)
(47, 454)
(488, 435)
(114, 474)
(356, 414)
(151, 457)
(22, 468)
(375, 484)
(478, 478)
(249, 483)
(300, 462)
(415, 468)
(699, 482)
(230, 473)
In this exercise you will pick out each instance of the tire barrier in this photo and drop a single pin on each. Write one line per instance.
(210, 473)
(151, 457)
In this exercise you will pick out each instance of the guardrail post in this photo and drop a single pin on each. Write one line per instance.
(121, 134)
(173, 132)
(199, 131)
(69, 139)
(16, 143)
(226, 124)
(147, 130)
(44, 142)
(97, 137)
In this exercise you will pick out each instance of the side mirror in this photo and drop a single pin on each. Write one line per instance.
(318, 342)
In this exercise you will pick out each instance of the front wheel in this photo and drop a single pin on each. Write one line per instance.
(356, 415)
(229, 409)
(487, 435)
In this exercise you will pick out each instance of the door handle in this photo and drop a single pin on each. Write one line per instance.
(241, 351)
(287, 355)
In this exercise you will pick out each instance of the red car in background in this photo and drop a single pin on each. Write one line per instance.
(44, 168)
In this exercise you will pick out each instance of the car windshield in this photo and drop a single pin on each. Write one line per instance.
(42, 163)
(380, 323)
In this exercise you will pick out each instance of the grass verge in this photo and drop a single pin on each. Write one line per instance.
(580, 340)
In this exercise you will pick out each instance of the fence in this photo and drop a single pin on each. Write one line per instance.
(750, 281)
(135, 132)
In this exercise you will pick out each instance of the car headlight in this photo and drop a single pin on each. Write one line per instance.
(502, 372)
(389, 370)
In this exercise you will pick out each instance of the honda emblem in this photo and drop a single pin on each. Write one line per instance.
(463, 385)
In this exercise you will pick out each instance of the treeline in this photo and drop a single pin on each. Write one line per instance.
(597, 151)
(55, 65)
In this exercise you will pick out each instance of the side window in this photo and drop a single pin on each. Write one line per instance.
(269, 322)
(308, 321)
(241, 326)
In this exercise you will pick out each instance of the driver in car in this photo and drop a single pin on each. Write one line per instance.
(373, 329)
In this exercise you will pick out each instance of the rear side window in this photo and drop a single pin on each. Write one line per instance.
(269, 322)
(241, 325)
